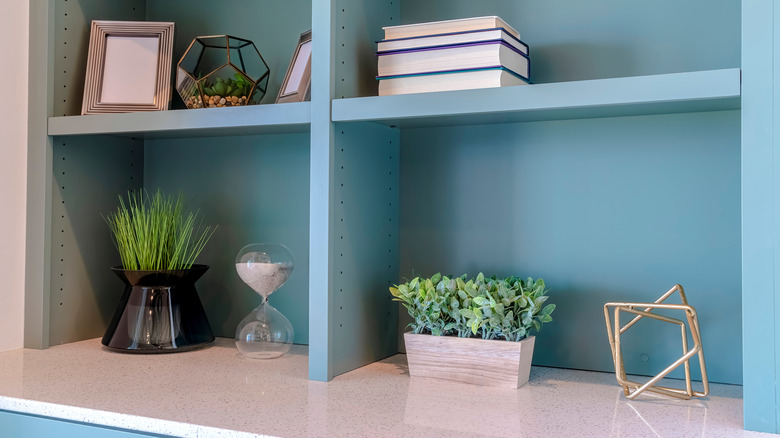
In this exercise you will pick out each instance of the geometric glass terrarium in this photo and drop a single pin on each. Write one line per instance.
(221, 71)
(265, 333)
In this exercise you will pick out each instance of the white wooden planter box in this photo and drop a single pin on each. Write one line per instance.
(470, 360)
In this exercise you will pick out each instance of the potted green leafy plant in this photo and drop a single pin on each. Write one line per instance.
(158, 243)
(461, 327)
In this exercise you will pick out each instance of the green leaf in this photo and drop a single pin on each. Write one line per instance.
(480, 278)
(477, 312)
(468, 313)
(474, 326)
(436, 277)
(522, 301)
(481, 301)
(548, 309)
(462, 295)
(545, 318)
(540, 300)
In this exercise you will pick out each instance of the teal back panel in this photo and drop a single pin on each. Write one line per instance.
(255, 188)
(616, 209)
(574, 40)
(275, 38)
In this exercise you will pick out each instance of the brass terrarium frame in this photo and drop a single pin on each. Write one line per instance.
(633, 389)
(203, 40)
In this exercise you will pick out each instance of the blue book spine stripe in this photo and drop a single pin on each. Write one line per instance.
(453, 46)
(461, 33)
(465, 70)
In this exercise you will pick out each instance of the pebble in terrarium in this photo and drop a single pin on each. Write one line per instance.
(265, 333)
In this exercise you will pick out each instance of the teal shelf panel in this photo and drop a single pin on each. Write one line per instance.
(258, 119)
(711, 90)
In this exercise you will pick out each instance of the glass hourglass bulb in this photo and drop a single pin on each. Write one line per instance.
(265, 333)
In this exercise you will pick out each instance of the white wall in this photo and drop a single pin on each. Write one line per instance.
(14, 27)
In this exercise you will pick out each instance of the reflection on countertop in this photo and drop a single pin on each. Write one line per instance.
(216, 391)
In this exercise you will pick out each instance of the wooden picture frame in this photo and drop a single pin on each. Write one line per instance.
(128, 67)
(296, 86)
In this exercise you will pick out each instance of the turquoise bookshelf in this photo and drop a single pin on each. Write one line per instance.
(639, 158)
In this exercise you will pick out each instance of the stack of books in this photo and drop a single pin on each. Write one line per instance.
(476, 52)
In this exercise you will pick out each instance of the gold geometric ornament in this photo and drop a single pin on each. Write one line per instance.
(633, 389)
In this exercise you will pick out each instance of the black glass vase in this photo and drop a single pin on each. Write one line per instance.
(159, 312)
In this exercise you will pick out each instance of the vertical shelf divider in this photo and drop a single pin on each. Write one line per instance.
(39, 166)
(760, 204)
(321, 195)
(353, 201)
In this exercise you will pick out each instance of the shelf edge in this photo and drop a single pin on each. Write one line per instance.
(683, 88)
(288, 117)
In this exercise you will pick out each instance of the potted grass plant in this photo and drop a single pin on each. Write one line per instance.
(473, 330)
(160, 310)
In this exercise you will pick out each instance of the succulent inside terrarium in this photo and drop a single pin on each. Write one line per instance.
(222, 92)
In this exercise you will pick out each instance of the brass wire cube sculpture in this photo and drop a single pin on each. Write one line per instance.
(632, 389)
(221, 71)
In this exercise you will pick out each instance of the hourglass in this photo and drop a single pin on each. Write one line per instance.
(265, 333)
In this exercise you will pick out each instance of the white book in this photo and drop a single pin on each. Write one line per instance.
(471, 36)
(464, 80)
(447, 26)
(459, 57)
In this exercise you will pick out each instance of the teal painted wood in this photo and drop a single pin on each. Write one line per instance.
(89, 173)
(775, 202)
(615, 209)
(658, 94)
(31, 426)
(358, 25)
(71, 42)
(363, 183)
(366, 236)
(759, 220)
(321, 195)
(39, 179)
(257, 119)
(255, 189)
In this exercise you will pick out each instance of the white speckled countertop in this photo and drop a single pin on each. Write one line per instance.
(215, 392)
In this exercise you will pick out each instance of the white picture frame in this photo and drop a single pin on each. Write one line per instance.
(296, 86)
(128, 67)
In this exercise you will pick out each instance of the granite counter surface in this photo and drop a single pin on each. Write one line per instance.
(215, 392)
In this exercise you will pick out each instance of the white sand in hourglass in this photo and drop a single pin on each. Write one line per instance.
(264, 278)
